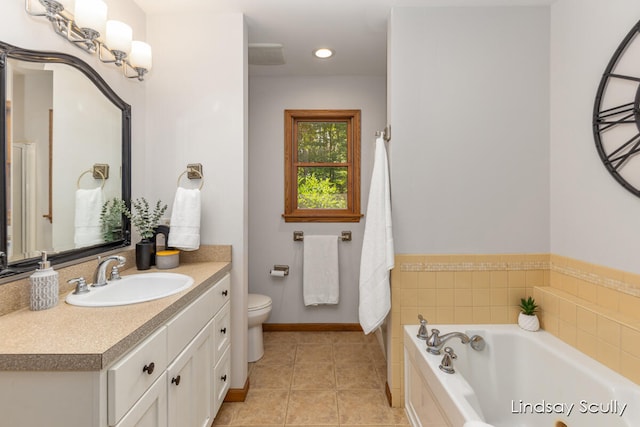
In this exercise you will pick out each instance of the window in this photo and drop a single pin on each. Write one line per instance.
(322, 166)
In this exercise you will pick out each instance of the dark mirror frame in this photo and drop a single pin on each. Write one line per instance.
(9, 51)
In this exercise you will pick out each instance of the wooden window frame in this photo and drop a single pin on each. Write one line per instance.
(291, 164)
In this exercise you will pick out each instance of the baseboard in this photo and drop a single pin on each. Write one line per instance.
(387, 391)
(311, 327)
(237, 394)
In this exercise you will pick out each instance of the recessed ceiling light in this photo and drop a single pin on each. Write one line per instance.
(323, 53)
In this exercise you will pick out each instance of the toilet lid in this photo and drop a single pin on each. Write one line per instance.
(258, 301)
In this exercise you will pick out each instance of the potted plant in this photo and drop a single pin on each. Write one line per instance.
(145, 221)
(111, 219)
(527, 319)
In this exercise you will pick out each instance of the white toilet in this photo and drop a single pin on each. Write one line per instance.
(259, 310)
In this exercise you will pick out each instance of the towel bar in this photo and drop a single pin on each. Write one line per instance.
(298, 236)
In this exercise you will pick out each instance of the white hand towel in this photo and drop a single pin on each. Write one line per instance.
(87, 217)
(320, 276)
(184, 231)
(377, 257)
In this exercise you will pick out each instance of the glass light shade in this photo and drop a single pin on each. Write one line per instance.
(91, 14)
(140, 56)
(119, 36)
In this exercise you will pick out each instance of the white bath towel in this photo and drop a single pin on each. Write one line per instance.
(320, 275)
(87, 217)
(184, 231)
(377, 257)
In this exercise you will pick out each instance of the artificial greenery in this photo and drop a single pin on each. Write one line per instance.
(111, 219)
(528, 306)
(143, 219)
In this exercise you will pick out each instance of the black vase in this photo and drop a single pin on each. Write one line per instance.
(144, 254)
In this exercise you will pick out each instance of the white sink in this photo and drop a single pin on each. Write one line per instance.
(132, 289)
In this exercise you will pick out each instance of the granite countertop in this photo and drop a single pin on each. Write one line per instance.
(71, 338)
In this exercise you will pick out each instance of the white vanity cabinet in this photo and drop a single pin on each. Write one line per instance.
(176, 377)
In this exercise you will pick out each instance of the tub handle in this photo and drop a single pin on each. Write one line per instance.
(477, 343)
(423, 334)
(446, 365)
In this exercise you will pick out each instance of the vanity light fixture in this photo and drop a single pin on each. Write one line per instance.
(90, 31)
(323, 53)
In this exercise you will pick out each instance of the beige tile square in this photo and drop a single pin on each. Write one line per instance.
(310, 407)
(499, 279)
(534, 278)
(550, 303)
(550, 323)
(313, 353)
(427, 280)
(481, 314)
(444, 298)
(630, 340)
(481, 279)
(280, 337)
(463, 315)
(445, 315)
(567, 332)
(630, 305)
(499, 315)
(515, 295)
(517, 279)
(587, 343)
(317, 337)
(463, 297)
(463, 279)
(587, 320)
(567, 311)
(481, 297)
(499, 296)
(279, 354)
(445, 279)
(262, 407)
(349, 353)
(406, 279)
(587, 291)
(608, 298)
(409, 297)
(312, 376)
(609, 331)
(364, 407)
(608, 354)
(426, 297)
(357, 376)
(271, 377)
(630, 367)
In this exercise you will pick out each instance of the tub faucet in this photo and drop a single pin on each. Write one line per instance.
(100, 275)
(423, 334)
(436, 341)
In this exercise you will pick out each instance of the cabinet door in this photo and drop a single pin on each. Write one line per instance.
(188, 385)
(151, 409)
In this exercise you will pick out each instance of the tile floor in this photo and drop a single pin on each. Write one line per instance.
(315, 379)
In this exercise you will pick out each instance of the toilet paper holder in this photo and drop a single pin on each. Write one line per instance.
(282, 268)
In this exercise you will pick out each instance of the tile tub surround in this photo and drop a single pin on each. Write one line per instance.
(315, 378)
(593, 308)
(62, 338)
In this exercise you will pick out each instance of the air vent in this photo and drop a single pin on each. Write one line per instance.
(266, 54)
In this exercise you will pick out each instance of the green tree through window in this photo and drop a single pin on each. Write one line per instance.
(322, 165)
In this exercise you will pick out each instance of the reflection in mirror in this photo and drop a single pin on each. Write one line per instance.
(64, 129)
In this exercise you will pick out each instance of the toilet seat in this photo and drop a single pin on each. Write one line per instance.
(258, 302)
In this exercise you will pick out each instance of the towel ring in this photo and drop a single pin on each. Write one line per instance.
(91, 171)
(193, 171)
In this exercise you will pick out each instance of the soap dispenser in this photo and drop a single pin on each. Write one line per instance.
(44, 286)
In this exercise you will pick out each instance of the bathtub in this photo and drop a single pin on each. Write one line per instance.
(520, 379)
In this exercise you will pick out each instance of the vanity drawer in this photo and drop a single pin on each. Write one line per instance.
(222, 292)
(128, 379)
(221, 379)
(222, 331)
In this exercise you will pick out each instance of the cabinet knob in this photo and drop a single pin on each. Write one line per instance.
(175, 380)
(223, 330)
(149, 368)
(224, 377)
(225, 293)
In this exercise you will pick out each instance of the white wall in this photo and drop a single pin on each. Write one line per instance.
(593, 218)
(197, 113)
(469, 108)
(271, 239)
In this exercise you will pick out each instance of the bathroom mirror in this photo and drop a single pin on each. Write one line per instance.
(65, 138)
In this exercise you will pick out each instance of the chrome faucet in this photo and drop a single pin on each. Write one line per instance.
(447, 361)
(422, 331)
(100, 275)
(435, 342)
